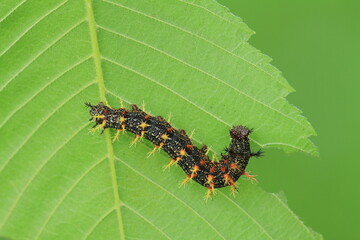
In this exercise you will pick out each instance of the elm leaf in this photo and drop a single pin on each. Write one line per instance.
(187, 58)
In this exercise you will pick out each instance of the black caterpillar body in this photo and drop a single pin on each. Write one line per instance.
(176, 143)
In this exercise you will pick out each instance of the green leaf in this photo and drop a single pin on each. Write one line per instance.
(187, 58)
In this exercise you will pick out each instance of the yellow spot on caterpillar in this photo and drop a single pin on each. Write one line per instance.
(122, 119)
(165, 136)
(143, 125)
(95, 117)
(182, 152)
(195, 169)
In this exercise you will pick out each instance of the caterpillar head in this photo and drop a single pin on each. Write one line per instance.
(239, 132)
(97, 110)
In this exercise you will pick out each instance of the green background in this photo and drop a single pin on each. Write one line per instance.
(316, 46)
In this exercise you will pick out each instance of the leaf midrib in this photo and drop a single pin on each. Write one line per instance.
(101, 85)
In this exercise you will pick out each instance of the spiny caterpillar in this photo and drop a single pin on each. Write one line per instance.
(175, 142)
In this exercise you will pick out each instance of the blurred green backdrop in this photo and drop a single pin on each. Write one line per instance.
(316, 46)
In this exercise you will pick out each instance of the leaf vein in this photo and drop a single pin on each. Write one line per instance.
(21, 105)
(31, 26)
(107, 213)
(217, 118)
(11, 11)
(29, 182)
(251, 217)
(146, 220)
(40, 53)
(197, 36)
(194, 138)
(293, 215)
(67, 193)
(171, 90)
(172, 195)
(42, 122)
(204, 72)
(207, 10)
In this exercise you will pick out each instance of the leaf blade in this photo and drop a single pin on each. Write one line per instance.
(53, 172)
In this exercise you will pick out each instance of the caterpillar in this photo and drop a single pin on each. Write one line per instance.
(178, 145)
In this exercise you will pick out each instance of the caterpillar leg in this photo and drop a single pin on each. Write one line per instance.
(186, 180)
(167, 166)
(121, 103)
(194, 170)
(210, 192)
(210, 185)
(92, 129)
(233, 189)
(136, 140)
(257, 154)
(116, 137)
(134, 107)
(169, 118)
(98, 126)
(251, 177)
(207, 151)
(192, 134)
(156, 148)
(143, 106)
(214, 158)
(204, 148)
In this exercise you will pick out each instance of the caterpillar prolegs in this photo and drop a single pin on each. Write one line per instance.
(179, 146)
